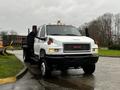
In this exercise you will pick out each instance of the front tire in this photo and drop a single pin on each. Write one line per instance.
(89, 69)
(64, 70)
(45, 70)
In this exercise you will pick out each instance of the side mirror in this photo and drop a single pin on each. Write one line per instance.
(86, 32)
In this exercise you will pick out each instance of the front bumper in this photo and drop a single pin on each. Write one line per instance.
(71, 60)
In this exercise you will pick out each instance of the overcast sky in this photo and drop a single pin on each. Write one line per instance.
(18, 15)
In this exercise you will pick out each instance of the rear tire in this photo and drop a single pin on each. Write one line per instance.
(88, 69)
(26, 56)
(64, 70)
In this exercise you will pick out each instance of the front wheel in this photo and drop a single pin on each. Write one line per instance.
(44, 69)
(89, 69)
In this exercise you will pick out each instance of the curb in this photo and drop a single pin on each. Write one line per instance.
(7, 80)
(14, 78)
(22, 72)
(110, 56)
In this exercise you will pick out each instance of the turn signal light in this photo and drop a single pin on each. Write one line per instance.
(50, 41)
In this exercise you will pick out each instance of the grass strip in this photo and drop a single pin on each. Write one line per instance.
(9, 66)
(105, 52)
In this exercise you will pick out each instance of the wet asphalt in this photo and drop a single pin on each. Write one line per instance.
(105, 77)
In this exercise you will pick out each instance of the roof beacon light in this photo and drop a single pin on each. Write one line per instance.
(59, 22)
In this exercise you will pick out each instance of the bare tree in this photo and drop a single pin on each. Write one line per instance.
(4, 37)
(100, 29)
(117, 29)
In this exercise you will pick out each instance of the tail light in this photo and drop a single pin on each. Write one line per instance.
(50, 41)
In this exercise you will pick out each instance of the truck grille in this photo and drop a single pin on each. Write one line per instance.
(76, 47)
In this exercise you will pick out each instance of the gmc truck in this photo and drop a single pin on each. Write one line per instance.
(63, 47)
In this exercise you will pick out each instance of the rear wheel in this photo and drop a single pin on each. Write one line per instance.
(89, 69)
(64, 70)
(26, 56)
(23, 55)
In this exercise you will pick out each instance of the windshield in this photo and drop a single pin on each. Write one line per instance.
(65, 30)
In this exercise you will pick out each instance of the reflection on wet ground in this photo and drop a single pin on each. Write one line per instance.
(74, 79)
(106, 77)
(73, 82)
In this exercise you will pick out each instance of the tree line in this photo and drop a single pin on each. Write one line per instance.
(6, 37)
(105, 30)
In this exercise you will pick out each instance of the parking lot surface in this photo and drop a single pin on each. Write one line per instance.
(106, 77)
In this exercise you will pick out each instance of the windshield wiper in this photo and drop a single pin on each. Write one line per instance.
(55, 34)
(71, 34)
(65, 34)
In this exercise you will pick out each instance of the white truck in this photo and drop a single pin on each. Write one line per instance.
(62, 47)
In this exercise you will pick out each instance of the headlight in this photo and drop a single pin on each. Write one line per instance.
(53, 50)
(95, 50)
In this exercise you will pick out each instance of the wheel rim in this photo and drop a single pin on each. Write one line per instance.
(43, 69)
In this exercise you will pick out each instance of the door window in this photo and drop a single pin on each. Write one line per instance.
(42, 32)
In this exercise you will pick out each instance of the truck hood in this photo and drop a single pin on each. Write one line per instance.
(73, 39)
